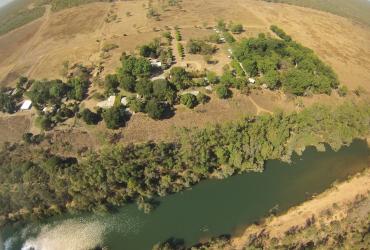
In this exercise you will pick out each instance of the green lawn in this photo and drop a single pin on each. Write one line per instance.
(358, 10)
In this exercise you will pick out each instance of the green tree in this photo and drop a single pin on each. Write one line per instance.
(221, 25)
(126, 81)
(342, 91)
(164, 91)
(189, 100)
(236, 28)
(271, 79)
(111, 83)
(223, 92)
(297, 81)
(202, 98)
(180, 78)
(155, 109)
(115, 117)
(212, 77)
(144, 87)
(7, 102)
(90, 117)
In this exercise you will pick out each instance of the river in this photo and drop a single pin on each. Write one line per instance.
(210, 208)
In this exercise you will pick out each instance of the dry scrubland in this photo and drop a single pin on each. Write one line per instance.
(78, 34)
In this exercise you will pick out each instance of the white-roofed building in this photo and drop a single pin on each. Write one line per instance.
(251, 80)
(26, 105)
(107, 103)
(124, 101)
(156, 63)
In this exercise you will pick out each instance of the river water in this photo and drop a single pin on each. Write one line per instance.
(211, 208)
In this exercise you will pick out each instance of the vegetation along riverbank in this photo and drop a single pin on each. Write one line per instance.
(36, 183)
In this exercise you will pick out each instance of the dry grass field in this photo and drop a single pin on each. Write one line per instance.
(78, 34)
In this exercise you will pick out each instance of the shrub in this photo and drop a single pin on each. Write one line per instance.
(342, 91)
(236, 28)
(202, 98)
(223, 92)
(189, 100)
(181, 50)
(144, 87)
(155, 109)
(180, 78)
(115, 117)
(111, 83)
(136, 105)
(200, 47)
(212, 77)
(127, 82)
(108, 47)
(90, 117)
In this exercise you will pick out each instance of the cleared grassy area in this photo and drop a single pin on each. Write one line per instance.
(358, 10)
(20, 18)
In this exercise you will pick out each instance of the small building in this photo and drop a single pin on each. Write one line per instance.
(107, 103)
(26, 105)
(156, 63)
(251, 80)
(48, 109)
(209, 88)
(124, 101)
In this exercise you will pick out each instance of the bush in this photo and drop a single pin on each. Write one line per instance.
(127, 82)
(44, 122)
(202, 98)
(155, 109)
(229, 38)
(280, 33)
(236, 28)
(271, 79)
(29, 138)
(7, 102)
(180, 78)
(111, 83)
(115, 117)
(144, 87)
(200, 47)
(136, 105)
(212, 77)
(90, 117)
(223, 92)
(180, 49)
(108, 47)
(214, 38)
(164, 91)
(189, 100)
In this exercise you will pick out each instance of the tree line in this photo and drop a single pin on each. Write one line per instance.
(36, 183)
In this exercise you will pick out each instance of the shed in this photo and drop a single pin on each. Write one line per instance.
(251, 80)
(107, 103)
(26, 105)
(124, 101)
